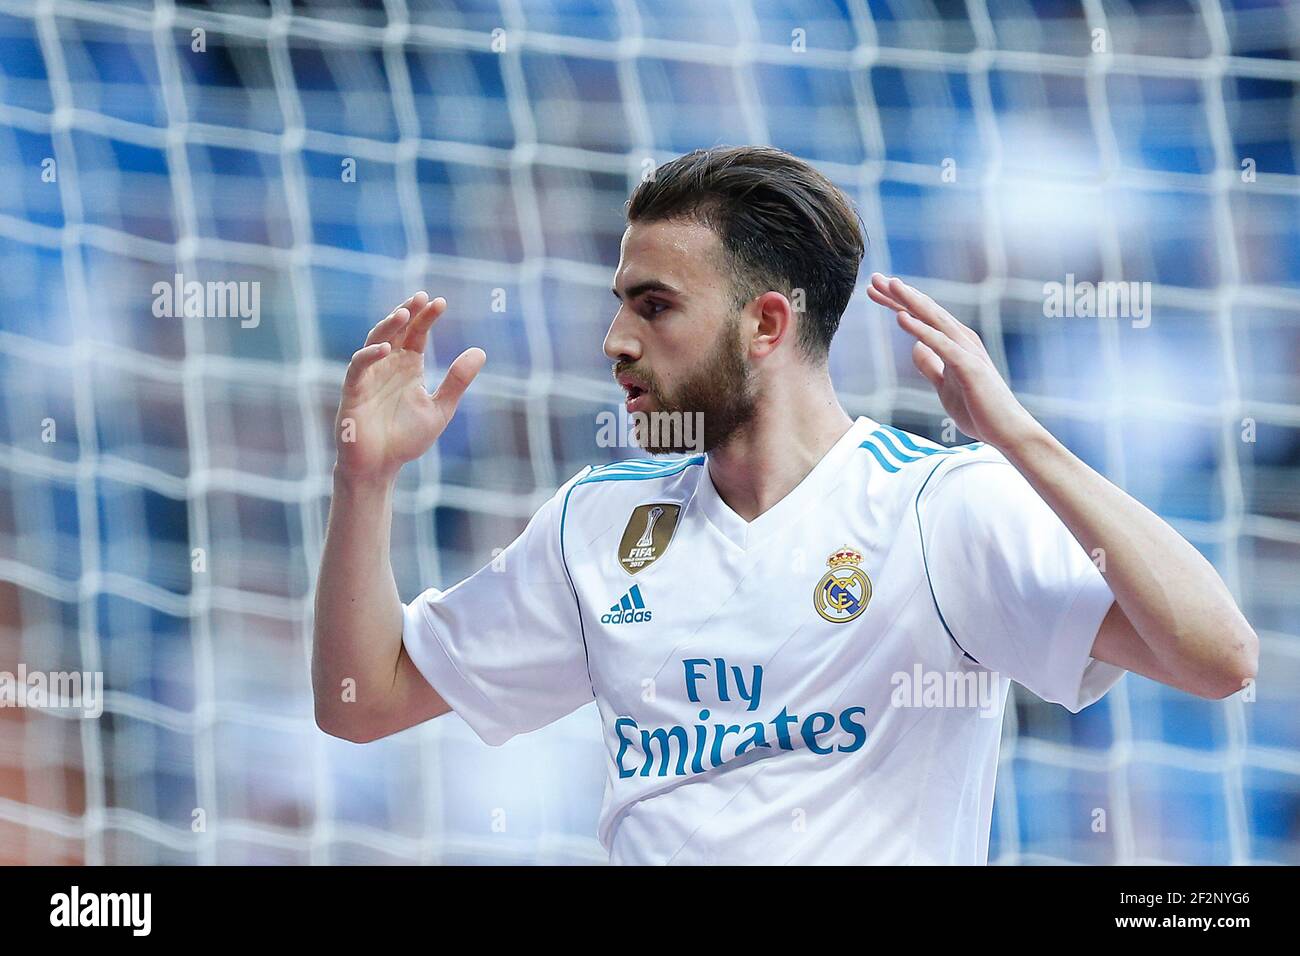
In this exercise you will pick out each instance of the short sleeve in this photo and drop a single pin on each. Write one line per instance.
(1014, 588)
(504, 647)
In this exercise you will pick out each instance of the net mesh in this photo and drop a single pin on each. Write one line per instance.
(165, 480)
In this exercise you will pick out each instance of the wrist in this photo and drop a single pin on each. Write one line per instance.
(348, 480)
(1028, 441)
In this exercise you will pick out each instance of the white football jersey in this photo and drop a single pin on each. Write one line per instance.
(823, 684)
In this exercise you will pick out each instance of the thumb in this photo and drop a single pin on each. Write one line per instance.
(463, 371)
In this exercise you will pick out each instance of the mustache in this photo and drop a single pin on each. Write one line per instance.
(644, 374)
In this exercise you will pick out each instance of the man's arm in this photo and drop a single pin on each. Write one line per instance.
(1173, 619)
(365, 686)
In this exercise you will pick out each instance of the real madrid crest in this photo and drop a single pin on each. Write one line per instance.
(845, 590)
(647, 535)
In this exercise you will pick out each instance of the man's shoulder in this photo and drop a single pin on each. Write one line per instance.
(982, 486)
(638, 469)
(912, 465)
(612, 484)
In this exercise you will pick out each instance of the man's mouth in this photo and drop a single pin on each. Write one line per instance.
(637, 399)
(635, 392)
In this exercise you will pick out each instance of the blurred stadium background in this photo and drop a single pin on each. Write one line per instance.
(992, 146)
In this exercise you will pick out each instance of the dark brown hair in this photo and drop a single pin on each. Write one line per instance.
(782, 224)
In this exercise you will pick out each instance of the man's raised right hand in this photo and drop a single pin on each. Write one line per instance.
(385, 417)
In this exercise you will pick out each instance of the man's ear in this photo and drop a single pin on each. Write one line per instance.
(774, 317)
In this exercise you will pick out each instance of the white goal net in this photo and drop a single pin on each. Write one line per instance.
(165, 466)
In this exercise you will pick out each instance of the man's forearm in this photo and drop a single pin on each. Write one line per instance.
(1173, 597)
(1177, 621)
(358, 629)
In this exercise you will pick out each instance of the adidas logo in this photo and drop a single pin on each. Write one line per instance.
(630, 609)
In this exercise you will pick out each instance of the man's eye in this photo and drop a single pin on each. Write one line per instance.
(654, 307)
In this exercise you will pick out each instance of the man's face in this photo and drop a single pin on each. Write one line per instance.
(677, 340)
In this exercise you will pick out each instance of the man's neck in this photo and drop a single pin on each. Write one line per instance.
(790, 434)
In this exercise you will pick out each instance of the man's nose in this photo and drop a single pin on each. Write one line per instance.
(620, 343)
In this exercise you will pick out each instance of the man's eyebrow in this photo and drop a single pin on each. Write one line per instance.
(641, 288)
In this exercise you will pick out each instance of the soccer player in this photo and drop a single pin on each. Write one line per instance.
(799, 638)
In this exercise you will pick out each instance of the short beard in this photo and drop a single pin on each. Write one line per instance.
(721, 392)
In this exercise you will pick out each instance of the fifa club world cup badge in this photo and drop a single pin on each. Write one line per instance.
(844, 591)
(647, 535)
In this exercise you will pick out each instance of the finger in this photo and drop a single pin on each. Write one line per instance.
(391, 326)
(383, 330)
(927, 310)
(362, 359)
(415, 302)
(948, 351)
(880, 282)
(467, 365)
(417, 332)
(927, 363)
(883, 298)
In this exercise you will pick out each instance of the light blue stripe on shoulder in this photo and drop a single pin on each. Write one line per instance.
(909, 441)
(880, 458)
(930, 448)
(616, 472)
(887, 445)
(632, 464)
(640, 463)
(887, 442)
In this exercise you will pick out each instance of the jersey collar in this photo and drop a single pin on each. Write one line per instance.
(814, 486)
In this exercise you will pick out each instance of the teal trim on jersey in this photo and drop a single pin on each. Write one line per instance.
(906, 439)
(614, 471)
(633, 463)
(642, 463)
(925, 563)
(887, 443)
(627, 470)
(564, 511)
(880, 458)
(881, 443)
